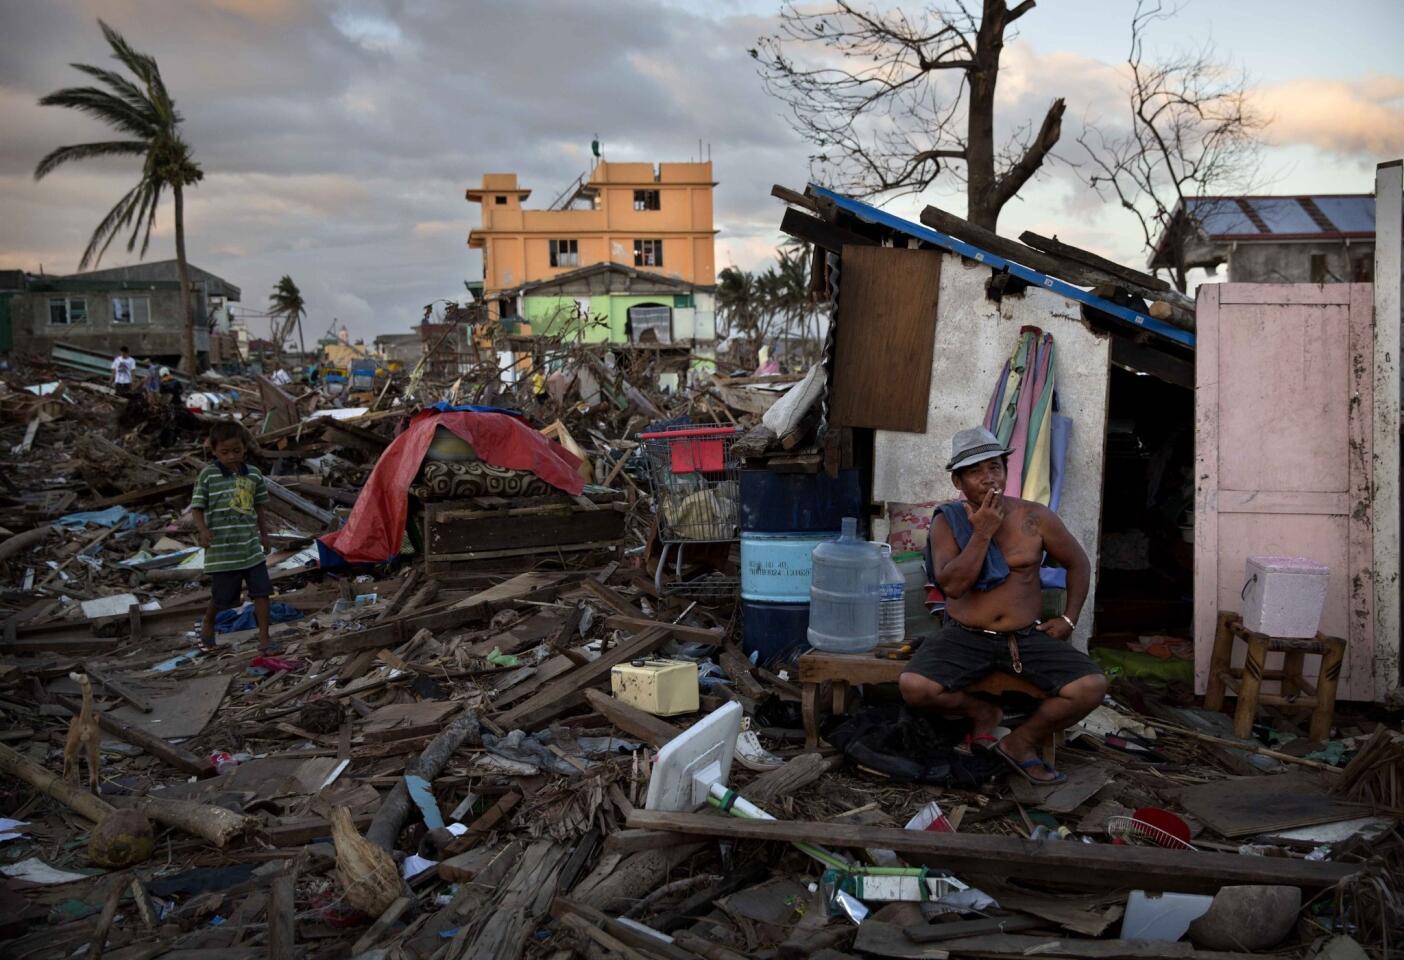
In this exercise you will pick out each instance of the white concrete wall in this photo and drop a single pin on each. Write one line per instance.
(974, 336)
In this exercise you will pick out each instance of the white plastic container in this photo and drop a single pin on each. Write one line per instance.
(843, 593)
(892, 611)
(1284, 596)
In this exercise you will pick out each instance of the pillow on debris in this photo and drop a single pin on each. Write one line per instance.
(894, 742)
(909, 524)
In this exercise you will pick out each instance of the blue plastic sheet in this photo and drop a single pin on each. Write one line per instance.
(101, 518)
(229, 621)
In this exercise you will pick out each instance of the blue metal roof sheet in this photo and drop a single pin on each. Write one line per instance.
(871, 214)
(1349, 214)
(1284, 215)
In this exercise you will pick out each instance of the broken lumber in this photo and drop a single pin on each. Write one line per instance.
(394, 809)
(180, 759)
(632, 720)
(41, 778)
(1073, 864)
(797, 772)
(682, 631)
(561, 694)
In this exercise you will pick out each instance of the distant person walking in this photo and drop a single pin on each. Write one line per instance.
(123, 366)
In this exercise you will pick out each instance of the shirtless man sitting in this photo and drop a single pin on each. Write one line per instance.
(992, 610)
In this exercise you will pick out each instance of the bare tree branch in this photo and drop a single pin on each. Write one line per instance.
(1192, 135)
(894, 100)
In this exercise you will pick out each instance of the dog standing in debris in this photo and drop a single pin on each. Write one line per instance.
(82, 731)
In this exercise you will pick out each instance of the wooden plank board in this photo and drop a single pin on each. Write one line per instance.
(1241, 806)
(885, 333)
(1076, 864)
(453, 535)
(563, 693)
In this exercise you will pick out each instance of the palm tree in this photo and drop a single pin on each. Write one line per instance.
(286, 301)
(145, 115)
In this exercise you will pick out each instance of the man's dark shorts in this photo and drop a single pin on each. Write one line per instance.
(227, 586)
(959, 656)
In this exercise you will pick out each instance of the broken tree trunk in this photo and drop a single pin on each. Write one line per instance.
(394, 809)
(212, 824)
(41, 778)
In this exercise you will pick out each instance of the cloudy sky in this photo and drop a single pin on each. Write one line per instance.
(338, 136)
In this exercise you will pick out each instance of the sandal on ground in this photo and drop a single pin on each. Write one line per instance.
(983, 742)
(1022, 768)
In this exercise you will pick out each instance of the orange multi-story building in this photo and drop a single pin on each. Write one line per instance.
(652, 218)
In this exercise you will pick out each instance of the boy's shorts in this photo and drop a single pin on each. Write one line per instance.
(227, 586)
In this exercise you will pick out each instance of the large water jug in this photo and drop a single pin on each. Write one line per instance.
(843, 593)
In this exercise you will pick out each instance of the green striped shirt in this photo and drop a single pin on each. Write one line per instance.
(230, 501)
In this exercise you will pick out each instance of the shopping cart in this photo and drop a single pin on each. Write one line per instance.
(692, 472)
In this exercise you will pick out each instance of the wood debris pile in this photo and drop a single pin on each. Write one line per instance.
(434, 765)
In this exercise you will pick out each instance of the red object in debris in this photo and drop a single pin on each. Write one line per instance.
(377, 523)
(274, 664)
(1166, 822)
(222, 761)
(695, 451)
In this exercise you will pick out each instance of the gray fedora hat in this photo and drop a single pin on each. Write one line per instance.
(969, 447)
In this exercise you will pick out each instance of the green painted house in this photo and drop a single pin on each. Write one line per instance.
(613, 303)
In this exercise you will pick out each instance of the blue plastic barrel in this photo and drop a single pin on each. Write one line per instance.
(798, 502)
(776, 632)
(775, 566)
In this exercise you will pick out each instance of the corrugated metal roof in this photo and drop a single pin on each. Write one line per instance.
(872, 214)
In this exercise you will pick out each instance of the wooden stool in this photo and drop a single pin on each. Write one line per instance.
(1246, 683)
(843, 670)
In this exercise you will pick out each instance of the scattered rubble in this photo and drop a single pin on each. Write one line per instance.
(434, 765)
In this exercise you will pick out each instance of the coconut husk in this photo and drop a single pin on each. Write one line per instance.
(366, 874)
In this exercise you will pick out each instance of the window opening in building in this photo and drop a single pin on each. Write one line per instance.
(648, 253)
(646, 200)
(500, 201)
(565, 253)
(1318, 268)
(68, 310)
(131, 309)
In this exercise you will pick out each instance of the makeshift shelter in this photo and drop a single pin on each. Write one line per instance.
(925, 320)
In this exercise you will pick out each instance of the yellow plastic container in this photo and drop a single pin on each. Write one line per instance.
(664, 688)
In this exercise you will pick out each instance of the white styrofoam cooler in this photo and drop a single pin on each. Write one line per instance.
(1284, 596)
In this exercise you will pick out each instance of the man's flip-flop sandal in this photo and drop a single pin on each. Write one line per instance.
(1022, 767)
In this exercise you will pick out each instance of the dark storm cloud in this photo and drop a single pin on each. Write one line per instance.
(338, 137)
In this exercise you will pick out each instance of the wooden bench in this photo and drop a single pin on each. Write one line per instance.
(1246, 682)
(842, 670)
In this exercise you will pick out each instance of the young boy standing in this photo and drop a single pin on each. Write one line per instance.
(231, 522)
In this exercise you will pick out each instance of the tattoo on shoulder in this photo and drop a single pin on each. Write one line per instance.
(1030, 522)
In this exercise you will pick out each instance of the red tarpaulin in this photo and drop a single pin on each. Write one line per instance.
(373, 532)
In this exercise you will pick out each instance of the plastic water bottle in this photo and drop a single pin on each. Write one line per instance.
(845, 579)
(892, 608)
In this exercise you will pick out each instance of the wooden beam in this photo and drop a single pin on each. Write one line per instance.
(1056, 248)
(821, 233)
(1076, 864)
(300, 503)
(1142, 358)
(793, 196)
(630, 719)
(563, 693)
(712, 635)
(1075, 273)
